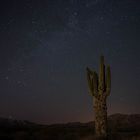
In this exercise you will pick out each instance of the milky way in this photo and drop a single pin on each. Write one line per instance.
(46, 46)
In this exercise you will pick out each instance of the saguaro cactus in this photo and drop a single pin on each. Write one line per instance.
(99, 88)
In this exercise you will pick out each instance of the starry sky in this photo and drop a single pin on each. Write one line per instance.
(45, 47)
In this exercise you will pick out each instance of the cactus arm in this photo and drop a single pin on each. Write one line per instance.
(90, 83)
(108, 81)
(89, 71)
(102, 74)
(95, 81)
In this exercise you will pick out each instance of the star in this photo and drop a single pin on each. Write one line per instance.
(7, 78)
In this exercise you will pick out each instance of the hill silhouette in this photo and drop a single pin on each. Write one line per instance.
(121, 127)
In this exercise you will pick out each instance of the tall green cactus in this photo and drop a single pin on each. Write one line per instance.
(99, 88)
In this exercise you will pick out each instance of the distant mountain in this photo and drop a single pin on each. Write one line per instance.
(119, 116)
(121, 127)
(13, 121)
(124, 121)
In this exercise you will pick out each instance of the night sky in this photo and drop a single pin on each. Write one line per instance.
(45, 47)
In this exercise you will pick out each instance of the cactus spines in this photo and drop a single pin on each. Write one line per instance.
(99, 87)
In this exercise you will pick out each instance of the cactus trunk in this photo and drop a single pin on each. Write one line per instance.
(100, 109)
(100, 88)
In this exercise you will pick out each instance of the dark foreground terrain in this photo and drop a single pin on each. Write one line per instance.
(121, 127)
